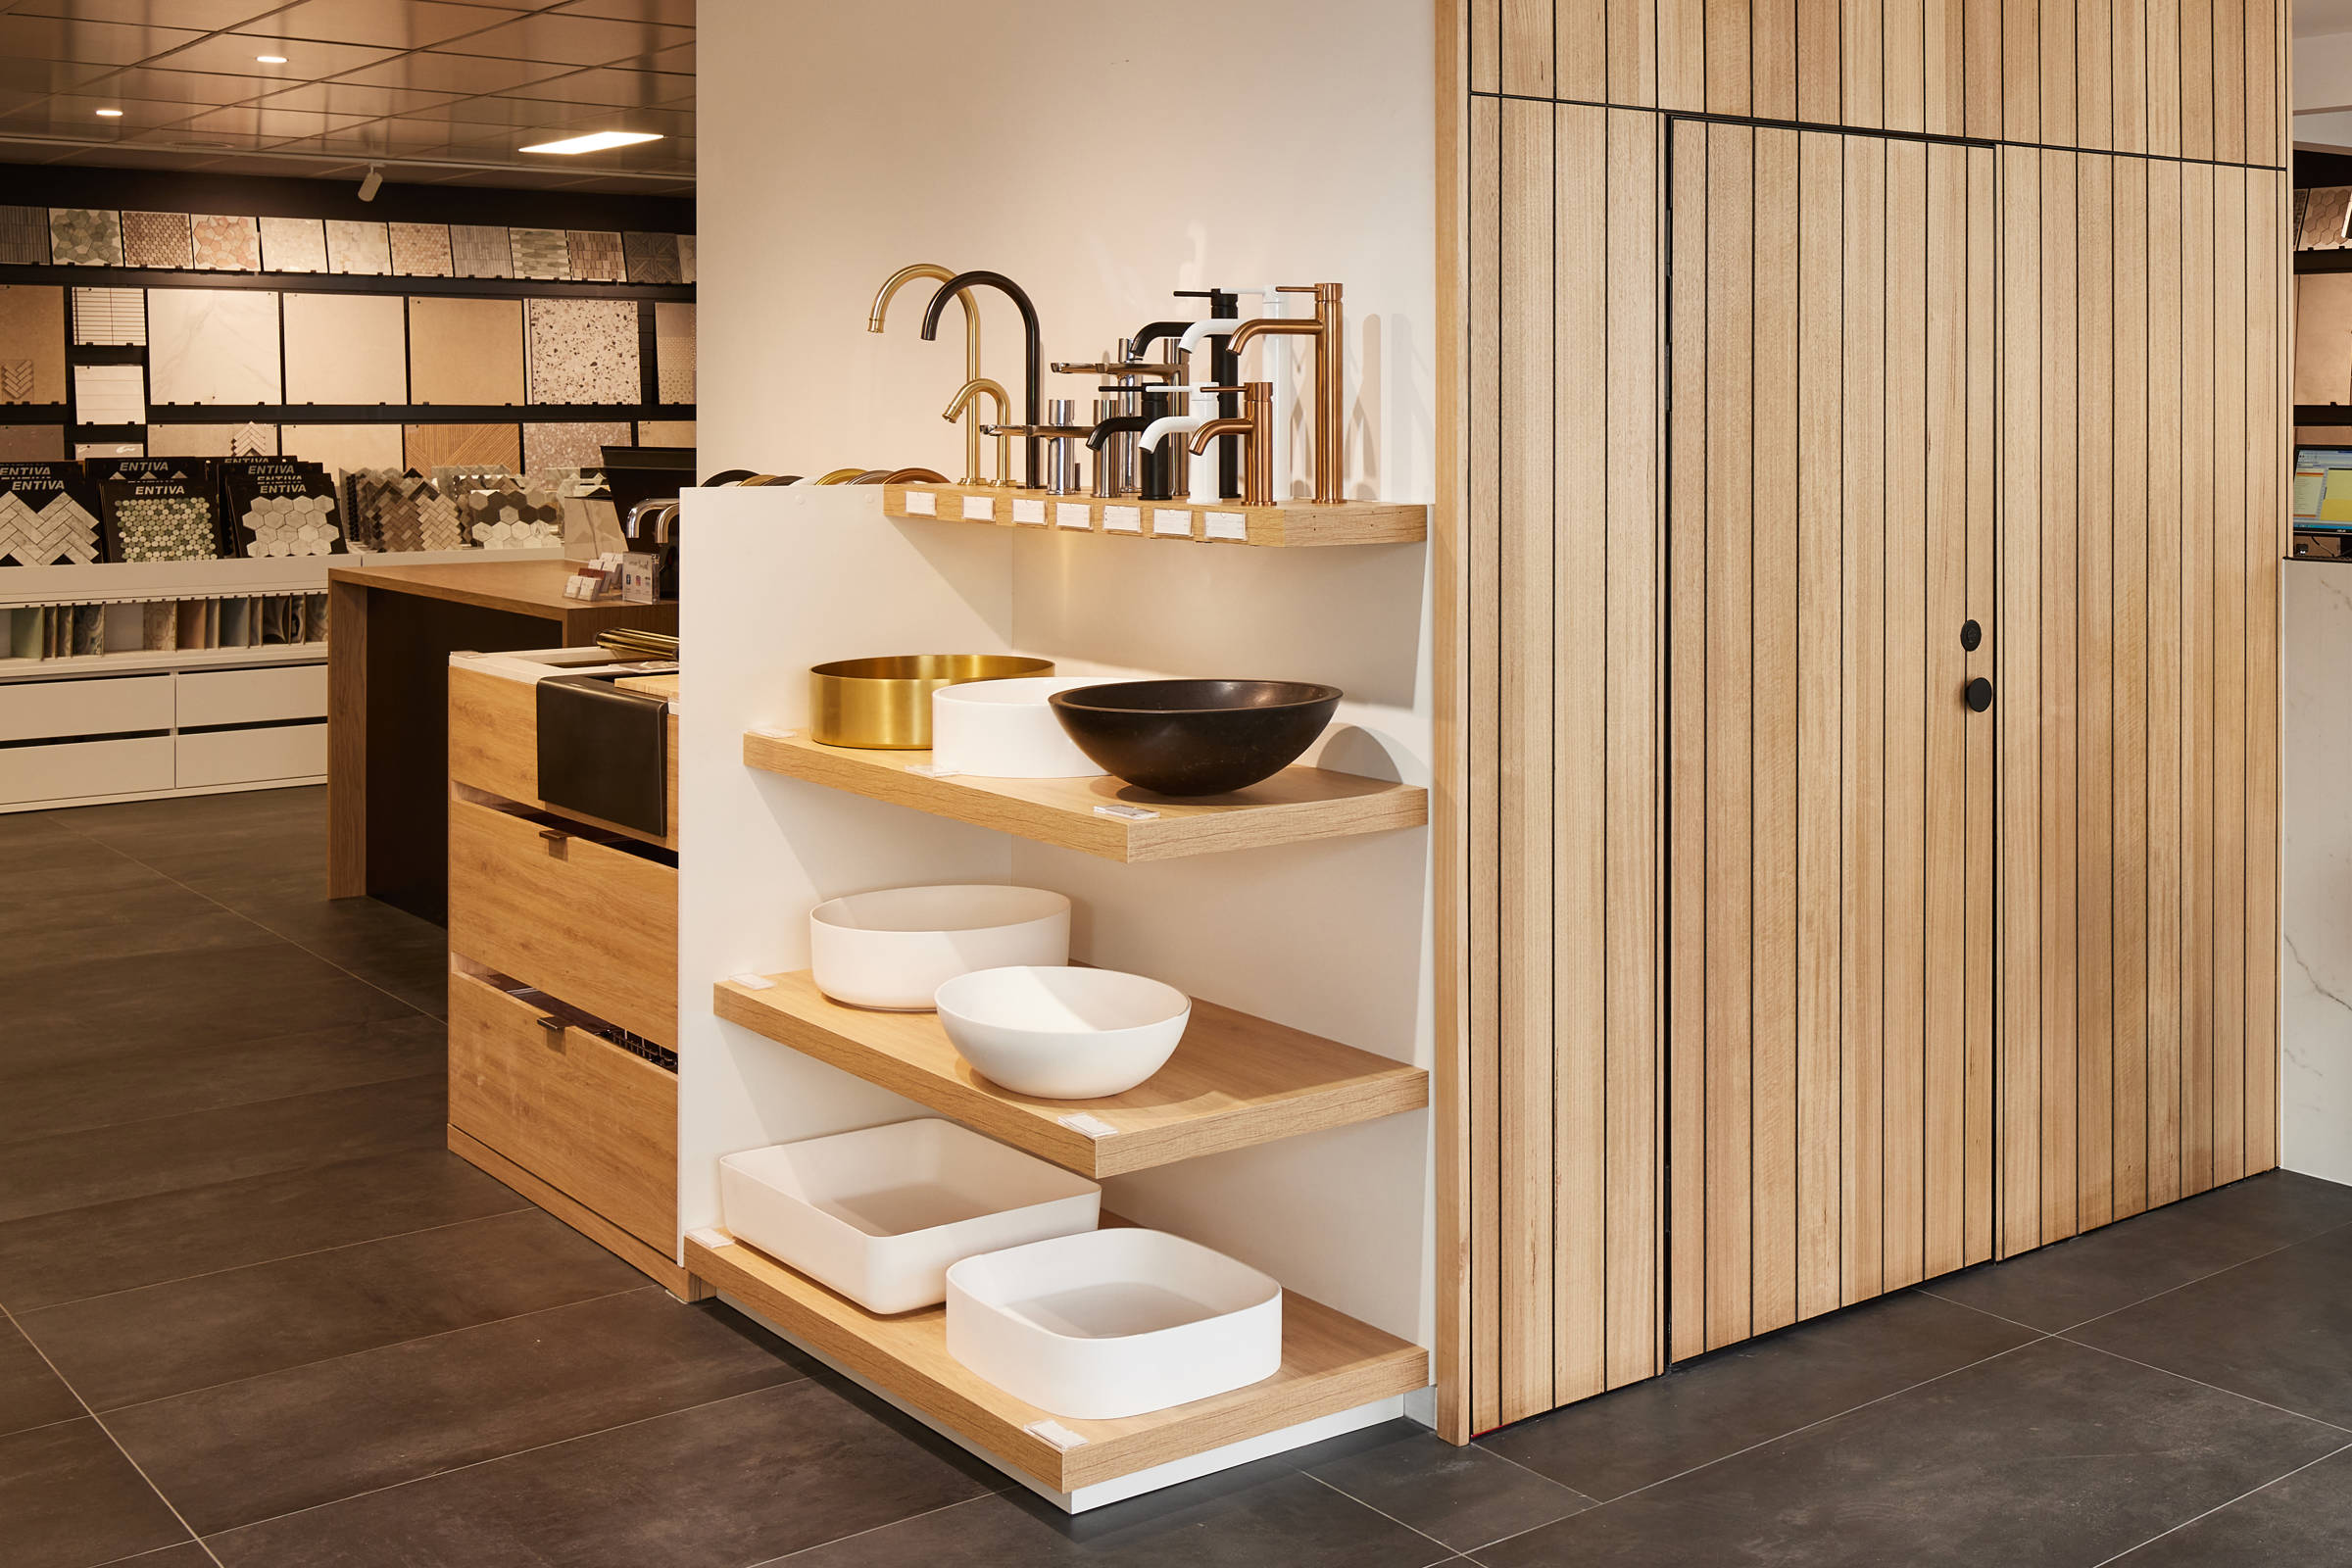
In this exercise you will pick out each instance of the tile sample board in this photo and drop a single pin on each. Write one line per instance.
(685, 258)
(110, 394)
(212, 345)
(584, 351)
(191, 440)
(166, 528)
(420, 250)
(24, 236)
(665, 432)
(471, 446)
(356, 245)
(81, 236)
(253, 441)
(290, 525)
(157, 239)
(541, 252)
(481, 250)
(32, 344)
(2324, 337)
(673, 351)
(293, 245)
(652, 258)
(110, 317)
(226, 244)
(22, 443)
(345, 348)
(569, 446)
(343, 447)
(464, 350)
(596, 256)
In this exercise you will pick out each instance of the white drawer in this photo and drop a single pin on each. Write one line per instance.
(249, 756)
(252, 695)
(80, 770)
(35, 709)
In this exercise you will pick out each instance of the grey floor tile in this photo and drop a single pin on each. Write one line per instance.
(193, 1333)
(312, 1435)
(1462, 1496)
(194, 999)
(107, 912)
(734, 1482)
(132, 1243)
(2051, 1456)
(1736, 1397)
(182, 820)
(2304, 1519)
(388, 948)
(69, 1500)
(30, 1394)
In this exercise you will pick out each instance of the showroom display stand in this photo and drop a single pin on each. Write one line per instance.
(1293, 523)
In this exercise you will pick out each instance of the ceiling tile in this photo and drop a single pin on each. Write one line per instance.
(78, 115)
(679, 60)
(46, 76)
(272, 122)
(579, 40)
(234, 52)
(203, 14)
(353, 98)
(620, 88)
(90, 42)
(408, 25)
(453, 73)
(180, 87)
(678, 13)
(377, 138)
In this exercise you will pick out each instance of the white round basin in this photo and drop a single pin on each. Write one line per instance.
(892, 948)
(1063, 1033)
(1005, 729)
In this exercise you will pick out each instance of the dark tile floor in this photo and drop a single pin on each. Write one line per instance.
(253, 1315)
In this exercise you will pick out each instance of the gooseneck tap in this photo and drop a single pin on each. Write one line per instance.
(1324, 326)
(1032, 348)
(966, 396)
(971, 346)
(1255, 427)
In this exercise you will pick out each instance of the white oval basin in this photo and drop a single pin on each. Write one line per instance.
(892, 949)
(1003, 729)
(1063, 1033)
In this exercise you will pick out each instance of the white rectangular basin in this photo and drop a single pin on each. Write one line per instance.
(879, 1214)
(1114, 1323)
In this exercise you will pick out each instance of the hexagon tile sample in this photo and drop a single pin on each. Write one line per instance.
(291, 525)
(420, 250)
(157, 239)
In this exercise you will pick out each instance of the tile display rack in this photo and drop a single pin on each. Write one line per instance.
(1286, 523)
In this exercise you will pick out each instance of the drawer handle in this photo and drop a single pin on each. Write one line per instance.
(554, 1027)
(555, 837)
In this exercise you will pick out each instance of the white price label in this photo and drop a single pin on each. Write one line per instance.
(979, 508)
(1082, 1121)
(710, 1236)
(1029, 511)
(926, 770)
(922, 503)
(1072, 515)
(1127, 813)
(776, 734)
(1053, 1431)
(753, 982)
(1225, 526)
(1122, 519)
(1170, 525)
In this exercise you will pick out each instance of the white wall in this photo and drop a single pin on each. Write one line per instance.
(2315, 1044)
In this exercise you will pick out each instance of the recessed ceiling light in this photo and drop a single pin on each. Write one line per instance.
(110, 114)
(269, 60)
(596, 143)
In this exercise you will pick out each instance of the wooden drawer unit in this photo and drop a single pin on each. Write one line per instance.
(542, 900)
(494, 743)
(583, 1115)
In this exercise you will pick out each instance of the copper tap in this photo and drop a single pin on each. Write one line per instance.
(964, 403)
(1331, 447)
(971, 348)
(1255, 427)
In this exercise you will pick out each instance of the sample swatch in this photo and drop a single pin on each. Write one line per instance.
(156, 239)
(110, 317)
(345, 348)
(32, 343)
(291, 525)
(293, 245)
(550, 447)
(212, 345)
(479, 250)
(354, 245)
(464, 351)
(58, 533)
(584, 351)
(24, 236)
(541, 252)
(109, 394)
(596, 256)
(420, 250)
(82, 236)
(343, 447)
(227, 244)
(652, 258)
(685, 258)
(673, 351)
(486, 446)
(165, 528)
(22, 443)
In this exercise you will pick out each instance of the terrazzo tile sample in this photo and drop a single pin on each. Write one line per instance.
(464, 350)
(685, 258)
(479, 250)
(226, 244)
(569, 446)
(358, 247)
(652, 258)
(596, 256)
(290, 525)
(109, 394)
(541, 252)
(82, 236)
(24, 236)
(665, 432)
(477, 446)
(420, 250)
(345, 348)
(32, 344)
(31, 443)
(157, 239)
(584, 351)
(293, 245)
(343, 447)
(673, 351)
(212, 345)
(110, 317)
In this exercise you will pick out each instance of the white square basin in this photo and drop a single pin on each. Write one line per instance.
(1114, 1323)
(879, 1214)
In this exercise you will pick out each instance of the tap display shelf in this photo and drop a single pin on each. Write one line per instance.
(1235, 1081)
(1287, 522)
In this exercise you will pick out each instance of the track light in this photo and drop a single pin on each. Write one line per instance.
(370, 183)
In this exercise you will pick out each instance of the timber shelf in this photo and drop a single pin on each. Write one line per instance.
(1294, 807)
(1234, 1081)
(1330, 1363)
(1285, 523)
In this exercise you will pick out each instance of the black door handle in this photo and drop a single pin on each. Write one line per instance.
(1978, 694)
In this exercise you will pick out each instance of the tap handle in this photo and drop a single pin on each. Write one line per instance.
(1222, 302)
(1234, 390)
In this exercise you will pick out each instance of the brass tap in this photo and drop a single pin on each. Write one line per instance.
(1331, 447)
(962, 403)
(971, 345)
(1255, 427)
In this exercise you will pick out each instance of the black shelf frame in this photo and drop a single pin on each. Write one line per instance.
(344, 283)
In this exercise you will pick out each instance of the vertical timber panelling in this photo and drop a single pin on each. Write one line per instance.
(2167, 866)
(2055, 739)
(2128, 806)
(1481, 806)
(2095, 575)
(2265, 453)
(2016, 637)
(1980, 1154)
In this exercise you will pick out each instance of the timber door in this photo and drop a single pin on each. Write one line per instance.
(1831, 503)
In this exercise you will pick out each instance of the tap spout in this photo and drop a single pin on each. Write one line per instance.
(971, 342)
(963, 403)
(1331, 407)
(1156, 332)
(1033, 348)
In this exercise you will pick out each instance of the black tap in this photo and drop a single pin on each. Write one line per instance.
(1032, 350)
(1224, 369)
(1154, 333)
(1154, 472)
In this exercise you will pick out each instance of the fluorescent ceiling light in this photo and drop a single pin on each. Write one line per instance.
(110, 114)
(269, 60)
(596, 143)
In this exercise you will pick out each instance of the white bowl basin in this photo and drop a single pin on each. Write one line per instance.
(1114, 1323)
(880, 1214)
(1005, 729)
(892, 948)
(1063, 1033)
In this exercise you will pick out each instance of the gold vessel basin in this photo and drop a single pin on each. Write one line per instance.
(884, 704)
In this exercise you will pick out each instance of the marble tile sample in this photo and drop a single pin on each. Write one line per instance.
(293, 245)
(24, 443)
(343, 447)
(550, 447)
(596, 256)
(511, 514)
(652, 258)
(24, 236)
(59, 532)
(584, 351)
(157, 239)
(483, 446)
(254, 441)
(665, 432)
(685, 258)
(111, 316)
(290, 525)
(226, 244)
(109, 394)
(420, 250)
(358, 246)
(345, 348)
(479, 250)
(541, 252)
(166, 528)
(673, 351)
(212, 345)
(32, 343)
(464, 350)
(82, 236)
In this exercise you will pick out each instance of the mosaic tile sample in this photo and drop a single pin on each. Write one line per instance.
(420, 250)
(80, 236)
(109, 394)
(227, 244)
(32, 344)
(21, 443)
(293, 245)
(291, 525)
(685, 258)
(253, 441)
(652, 258)
(156, 239)
(340, 448)
(489, 446)
(391, 508)
(511, 514)
(464, 350)
(354, 245)
(673, 351)
(665, 432)
(165, 528)
(479, 250)
(596, 256)
(24, 236)
(113, 316)
(541, 252)
(548, 447)
(212, 345)
(345, 348)
(58, 533)
(584, 351)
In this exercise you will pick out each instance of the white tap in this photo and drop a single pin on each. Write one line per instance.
(1202, 408)
(1276, 357)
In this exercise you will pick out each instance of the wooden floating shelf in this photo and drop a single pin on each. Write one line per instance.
(1287, 522)
(1235, 1081)
(1330, 1363)
(1294, 807)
